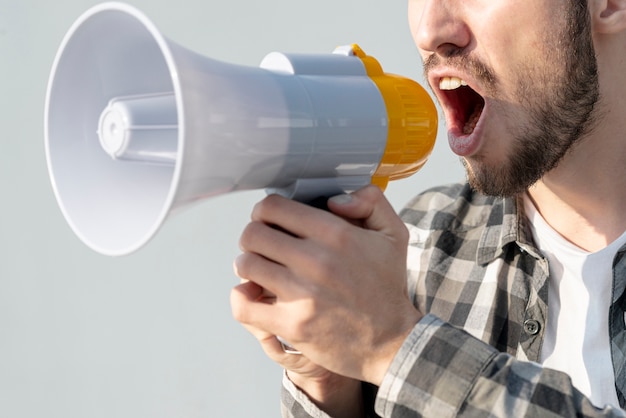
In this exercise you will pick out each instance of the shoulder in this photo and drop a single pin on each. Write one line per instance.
(453, 206)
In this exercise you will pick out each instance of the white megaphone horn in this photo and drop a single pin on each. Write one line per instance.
(137, 127)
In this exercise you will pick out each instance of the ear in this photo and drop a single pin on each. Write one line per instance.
(608, 16)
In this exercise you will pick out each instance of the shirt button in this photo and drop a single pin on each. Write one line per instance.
(532, 327)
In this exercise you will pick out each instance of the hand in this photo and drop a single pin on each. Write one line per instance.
(339, 396)
(339, 281)
(297, 364)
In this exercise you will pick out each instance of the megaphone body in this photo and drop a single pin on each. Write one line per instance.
(138, 127)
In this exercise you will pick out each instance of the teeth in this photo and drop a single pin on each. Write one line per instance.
(451, 83)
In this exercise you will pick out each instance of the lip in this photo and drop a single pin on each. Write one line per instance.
(467, 145)
(461, 144)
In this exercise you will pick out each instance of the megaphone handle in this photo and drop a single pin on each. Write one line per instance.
(320, 203)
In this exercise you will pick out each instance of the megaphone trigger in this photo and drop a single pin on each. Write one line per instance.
(137, 126)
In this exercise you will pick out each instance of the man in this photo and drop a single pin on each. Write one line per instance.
(515, 298)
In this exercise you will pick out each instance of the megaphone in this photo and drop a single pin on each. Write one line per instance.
(138, 127)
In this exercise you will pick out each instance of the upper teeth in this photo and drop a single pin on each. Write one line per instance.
(451, 83)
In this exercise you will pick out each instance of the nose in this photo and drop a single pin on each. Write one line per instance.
(438, 26)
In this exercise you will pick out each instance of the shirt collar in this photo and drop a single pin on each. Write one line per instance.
(506, 224)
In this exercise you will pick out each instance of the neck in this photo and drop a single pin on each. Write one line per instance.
(584, 197)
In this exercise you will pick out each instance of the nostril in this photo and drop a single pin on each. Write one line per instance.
(449, 50)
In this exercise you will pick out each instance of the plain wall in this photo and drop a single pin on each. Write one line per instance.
(150, 334)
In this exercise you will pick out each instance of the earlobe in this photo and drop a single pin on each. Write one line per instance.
(609, 16)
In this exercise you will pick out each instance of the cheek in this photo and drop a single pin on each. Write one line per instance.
(415, 9)
(414, 14)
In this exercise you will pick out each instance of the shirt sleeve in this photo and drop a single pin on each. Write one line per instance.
(295, 403)
(441, 371)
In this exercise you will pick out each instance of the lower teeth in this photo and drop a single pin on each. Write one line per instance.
(470, 125)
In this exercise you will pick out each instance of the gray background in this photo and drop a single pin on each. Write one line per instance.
(151, 334)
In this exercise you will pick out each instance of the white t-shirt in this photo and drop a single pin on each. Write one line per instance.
(580, 290)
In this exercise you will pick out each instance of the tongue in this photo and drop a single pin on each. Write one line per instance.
(472, 120)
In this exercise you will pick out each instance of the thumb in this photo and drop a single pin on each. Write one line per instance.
(369, 206)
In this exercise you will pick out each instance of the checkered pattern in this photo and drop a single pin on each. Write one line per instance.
(474, 271)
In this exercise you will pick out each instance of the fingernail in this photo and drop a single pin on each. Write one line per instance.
(341, 199)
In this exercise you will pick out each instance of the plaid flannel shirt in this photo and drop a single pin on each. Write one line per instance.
(475, 273)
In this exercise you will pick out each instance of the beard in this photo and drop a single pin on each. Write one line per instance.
(558, 115)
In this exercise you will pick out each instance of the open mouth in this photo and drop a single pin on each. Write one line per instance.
(463, 103)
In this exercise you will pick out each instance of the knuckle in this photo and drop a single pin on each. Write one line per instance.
(266, 207)
(241, 266)
(303, 328)
(238, 310)
(249, 235)
(339, 234)
(322, 265)
(371, 193)
(403, 234)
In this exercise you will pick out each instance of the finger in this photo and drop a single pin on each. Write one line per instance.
(296, 218)
(261, 319)
(270, 242)
(248, 308)
(370, 205)
(274, 350)
(271, 346)
(272, 278)
(270, 343)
